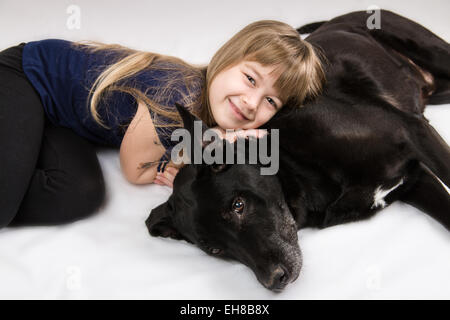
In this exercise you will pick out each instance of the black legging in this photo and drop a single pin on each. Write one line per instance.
(48, 174)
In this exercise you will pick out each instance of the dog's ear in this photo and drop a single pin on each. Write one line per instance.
(160, 224)
(195, 126)
(189, 119)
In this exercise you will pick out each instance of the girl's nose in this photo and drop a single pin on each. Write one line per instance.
(250, 103)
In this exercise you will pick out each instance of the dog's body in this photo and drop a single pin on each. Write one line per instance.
(361, 145)
(365, 137)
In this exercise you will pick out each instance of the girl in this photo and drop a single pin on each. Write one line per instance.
(58, 99)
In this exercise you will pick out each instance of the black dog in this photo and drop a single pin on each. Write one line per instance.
(361, 145)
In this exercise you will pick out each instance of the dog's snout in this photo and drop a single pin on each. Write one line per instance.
(279, 278)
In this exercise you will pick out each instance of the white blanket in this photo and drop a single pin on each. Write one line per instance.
(400, 253)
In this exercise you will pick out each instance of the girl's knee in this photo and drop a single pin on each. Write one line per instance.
(92, 191)
(79, 200)
(59, 198)
(6, 216)
(83, 198)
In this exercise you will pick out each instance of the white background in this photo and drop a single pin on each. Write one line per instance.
(192, 30)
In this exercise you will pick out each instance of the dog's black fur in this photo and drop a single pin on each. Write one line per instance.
(366, 131)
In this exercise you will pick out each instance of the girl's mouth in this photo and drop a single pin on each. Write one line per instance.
(236, 111)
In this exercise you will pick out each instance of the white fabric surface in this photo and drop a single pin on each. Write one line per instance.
(400, 253)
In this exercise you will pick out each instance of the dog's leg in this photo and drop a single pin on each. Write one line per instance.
(430, 148)
(310, 27)
(428, 195)
(420, 45)
(413, 41)
(354, 204)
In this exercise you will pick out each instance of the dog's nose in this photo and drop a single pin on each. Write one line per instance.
(279, 278)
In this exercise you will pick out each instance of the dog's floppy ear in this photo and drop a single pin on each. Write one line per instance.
(189, 124)
(160, 224)
(188, 118)
(188, 121)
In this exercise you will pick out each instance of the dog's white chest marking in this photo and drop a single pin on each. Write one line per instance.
(379, 194)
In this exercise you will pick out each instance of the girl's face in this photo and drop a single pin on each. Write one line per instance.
(243, 96)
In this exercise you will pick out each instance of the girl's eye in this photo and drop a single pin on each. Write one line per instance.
(253, 82)
(272, 102)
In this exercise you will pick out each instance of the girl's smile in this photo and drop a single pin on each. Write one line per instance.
(237, 112)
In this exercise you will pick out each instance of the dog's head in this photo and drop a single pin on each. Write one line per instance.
(232, 211)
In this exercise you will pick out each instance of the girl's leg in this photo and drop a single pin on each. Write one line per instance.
(21, 128)
(67, 184)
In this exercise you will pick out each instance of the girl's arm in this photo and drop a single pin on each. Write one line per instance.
(140, 144)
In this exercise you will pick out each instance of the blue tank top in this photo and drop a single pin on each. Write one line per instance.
(63, 75)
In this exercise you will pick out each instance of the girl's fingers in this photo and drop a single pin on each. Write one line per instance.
(164, 181)
(257, 133)
(167, 177)
(262, 133)
(170, 173)
(231, 136)
(245, 133)
(173, 171)
(241, 133)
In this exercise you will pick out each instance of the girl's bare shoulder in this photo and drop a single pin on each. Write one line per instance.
(140, 144)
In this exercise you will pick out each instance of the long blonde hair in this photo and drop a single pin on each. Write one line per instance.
(269, 42)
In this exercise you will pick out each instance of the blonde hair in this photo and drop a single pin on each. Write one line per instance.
(176, 74)
(269, 42)
(272, 43)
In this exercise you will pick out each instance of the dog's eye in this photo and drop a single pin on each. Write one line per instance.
(238, 205)
(215, 251)
(203, 244)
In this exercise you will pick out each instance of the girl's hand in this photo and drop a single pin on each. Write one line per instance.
(167, 177)
(242, 133)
